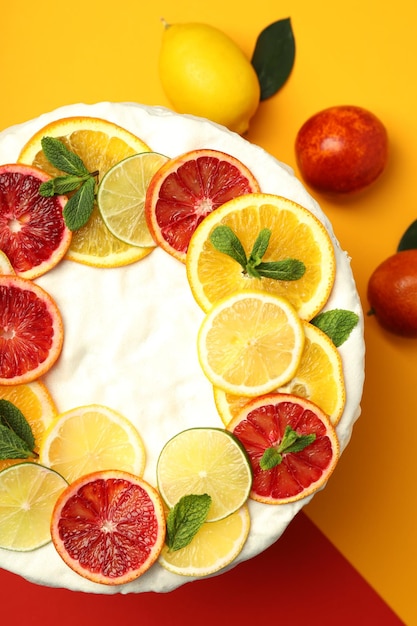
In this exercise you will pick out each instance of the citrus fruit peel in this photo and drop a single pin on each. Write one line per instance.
(109, 527)
(292, 445)
(250, 343)
(33, 233)
(31, 331)
(186, 189)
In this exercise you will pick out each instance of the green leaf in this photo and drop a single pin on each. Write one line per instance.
(290, 443)
(260, 246)
(286, 269)
(270, 458)
(185, 520)
(337, 324)
(61, 185)
(12, 446)
(273, 57)
(409, 239)
(224, 240)
(12, 418)
(79, 207)
(63, 159)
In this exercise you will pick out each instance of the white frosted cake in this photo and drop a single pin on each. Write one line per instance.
(130, 335)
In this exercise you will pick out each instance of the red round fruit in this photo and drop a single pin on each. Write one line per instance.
(341, 150)
(392, 293)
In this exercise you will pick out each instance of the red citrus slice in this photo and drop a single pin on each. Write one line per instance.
(33, 233)
(31, 331)
(186, 189)
(294, 434)
(109, 526)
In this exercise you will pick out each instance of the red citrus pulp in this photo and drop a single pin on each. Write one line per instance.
(186, 189)
(261, 427)
(31, 331)
(33, 234)
(109, 526)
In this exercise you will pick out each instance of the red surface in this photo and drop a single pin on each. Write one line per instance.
(301, 580)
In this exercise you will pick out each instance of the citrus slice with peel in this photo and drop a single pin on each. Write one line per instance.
(295, 234)
(189, 187)
(31, 331)
(213, 548)
(33, 234)
(100, 144)
(319, 378)
(250, 343)
(92, 438)
(28, 493)
(109, 527)
(292, 446)
(37, 406)
(5, 266)
(205, 460)
(121, 197)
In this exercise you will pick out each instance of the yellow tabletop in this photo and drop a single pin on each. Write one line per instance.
(361, 53)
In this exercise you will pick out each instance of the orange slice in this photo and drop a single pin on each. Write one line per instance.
(100, 144)
(109, 527)
(33, 234)
(297, 473)
(295, 234)
(31, 331)
(186, 189)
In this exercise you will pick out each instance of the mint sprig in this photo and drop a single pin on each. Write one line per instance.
(16, 437)
(185, 520)
(226, 241)
(291, 442)
(337, 324)
(80, 206)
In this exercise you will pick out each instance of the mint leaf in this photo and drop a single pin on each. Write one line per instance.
(337, 324)
(185, 520)
(63, 159)
(286, 269)
(79, 207)
(291, 442)
(225, 240)
(270, 458)
(61, 185)
(12, 418)
(260, 246)
(12, 446)
(273, 57)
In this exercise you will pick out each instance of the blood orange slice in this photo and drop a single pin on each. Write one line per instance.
(31, 331)
(109, 526)
(33, 233)
(292, 446)
(186, 189)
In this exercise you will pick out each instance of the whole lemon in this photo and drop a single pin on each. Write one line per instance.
(204, 73)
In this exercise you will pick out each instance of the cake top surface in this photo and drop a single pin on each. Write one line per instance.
(159, 384)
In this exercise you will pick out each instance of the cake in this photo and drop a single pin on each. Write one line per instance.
(149, 304)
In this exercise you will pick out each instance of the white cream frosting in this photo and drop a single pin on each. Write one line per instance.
(130, 334)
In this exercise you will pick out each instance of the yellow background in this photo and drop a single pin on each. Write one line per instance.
(360, 52)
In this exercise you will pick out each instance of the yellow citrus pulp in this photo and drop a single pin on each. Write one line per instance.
(100, 144)
(215, 545)
(28, 492)
(90, 439)
(295, 233)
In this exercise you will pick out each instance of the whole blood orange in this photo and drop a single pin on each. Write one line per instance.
(392, 293)
(109, 526)
(186, 189)
(33, 234)
(31, 331)
(292, 446)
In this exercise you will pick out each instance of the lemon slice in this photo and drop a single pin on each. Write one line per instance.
(90, 439)
(121, 197)
(205, 460)
(28, 492)
(214, 547)
(250, 343)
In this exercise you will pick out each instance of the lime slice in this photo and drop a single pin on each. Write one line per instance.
(121, 197)
(205, 460)
(28, 492)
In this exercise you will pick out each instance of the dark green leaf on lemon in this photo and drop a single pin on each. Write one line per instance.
(185, 520)
(61, 185)
(79, 207)
(16, 437)
(226, 241)
(337, 324)
(273, 57)
(62, 158)
(291, 442)
(409, 239)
